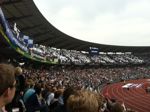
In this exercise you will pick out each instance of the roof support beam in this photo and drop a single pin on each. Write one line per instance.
(31, 27)
(51, 41)
(10, 2)
(37, 35)
(73, 47)
(53, 38)
(18, 18)
(44, 40)
(81, 46)
(65, 44)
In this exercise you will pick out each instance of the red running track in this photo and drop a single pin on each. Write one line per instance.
(135, 98)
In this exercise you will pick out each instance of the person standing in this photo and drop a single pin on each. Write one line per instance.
(17, 102)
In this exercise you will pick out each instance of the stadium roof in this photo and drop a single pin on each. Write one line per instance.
(32, 23)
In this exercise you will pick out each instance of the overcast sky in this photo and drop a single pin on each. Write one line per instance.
(114, 22)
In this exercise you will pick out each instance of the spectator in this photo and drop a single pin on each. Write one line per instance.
(7, 84)
(20, 78)
(17, 101)
(35, 102)
(83, 101)
(68, 91)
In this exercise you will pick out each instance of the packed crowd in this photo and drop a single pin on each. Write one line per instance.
(82, 58)
(64, 89)
(91, 78)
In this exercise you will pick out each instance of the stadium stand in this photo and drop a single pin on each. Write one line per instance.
(57, 67)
